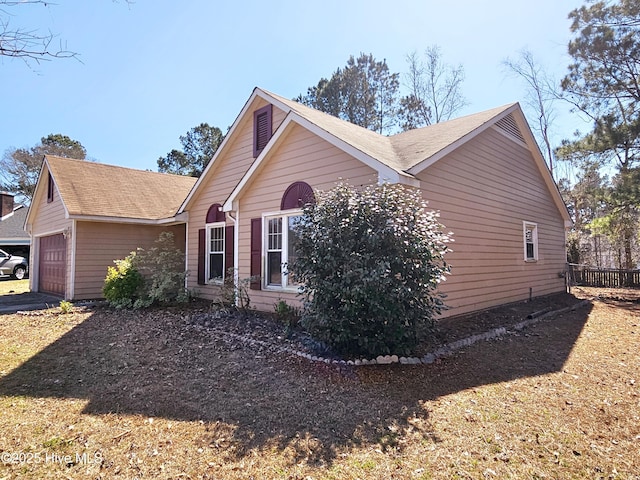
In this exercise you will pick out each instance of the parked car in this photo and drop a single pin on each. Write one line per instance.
(13, 265)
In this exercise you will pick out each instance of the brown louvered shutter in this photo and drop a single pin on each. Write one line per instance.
(202, 255)
(297, 195)
(262, 128)
(228, 248)
(215, 214)
(256, 254)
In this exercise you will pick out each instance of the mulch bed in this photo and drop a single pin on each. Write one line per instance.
(265, 331)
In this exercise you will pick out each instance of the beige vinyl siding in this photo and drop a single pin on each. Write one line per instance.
(230, 167)
(302, 157)
(484, 191)
(50, 219)
(99, 244)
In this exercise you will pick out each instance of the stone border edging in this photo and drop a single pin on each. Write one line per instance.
(429, 358)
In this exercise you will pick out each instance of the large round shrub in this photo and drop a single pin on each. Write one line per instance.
(370, 260)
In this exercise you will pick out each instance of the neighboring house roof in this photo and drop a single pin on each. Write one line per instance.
(95, 191)
(12, 228)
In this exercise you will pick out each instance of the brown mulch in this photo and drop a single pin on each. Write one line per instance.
(265, 329)
(454, 328)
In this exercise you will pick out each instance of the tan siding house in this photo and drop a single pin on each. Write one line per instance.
(483, 172)
(84, 215)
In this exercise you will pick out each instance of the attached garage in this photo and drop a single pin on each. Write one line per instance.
(52, 264)
(84, 215)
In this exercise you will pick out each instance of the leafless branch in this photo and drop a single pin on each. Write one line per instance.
(30, 45)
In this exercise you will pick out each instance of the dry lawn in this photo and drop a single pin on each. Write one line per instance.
(13, 287)
(103, 394)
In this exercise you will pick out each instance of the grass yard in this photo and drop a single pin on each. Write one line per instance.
(103, 394)
(9, 286)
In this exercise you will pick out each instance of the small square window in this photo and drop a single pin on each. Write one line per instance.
(530, 234)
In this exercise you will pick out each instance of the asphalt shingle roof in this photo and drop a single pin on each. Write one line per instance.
(403, 150)
(12, 227)
(95, 189)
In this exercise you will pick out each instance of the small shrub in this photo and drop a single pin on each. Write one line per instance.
(123, 284)
(148, 276)
(162, 268)
(65, 306)
(236, 297)
(286, 314)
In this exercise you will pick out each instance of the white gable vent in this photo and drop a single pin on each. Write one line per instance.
(509, 126)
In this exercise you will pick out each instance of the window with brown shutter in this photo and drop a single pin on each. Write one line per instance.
(262, 128)
(215, 248)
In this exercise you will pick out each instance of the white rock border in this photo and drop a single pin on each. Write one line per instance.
(445, 350)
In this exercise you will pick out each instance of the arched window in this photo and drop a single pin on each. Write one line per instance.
(297, 195)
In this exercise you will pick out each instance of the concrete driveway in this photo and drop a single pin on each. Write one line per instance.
(14, 302)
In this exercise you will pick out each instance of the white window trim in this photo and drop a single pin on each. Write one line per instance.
(284, 214)
(207, 263)
(534, 227)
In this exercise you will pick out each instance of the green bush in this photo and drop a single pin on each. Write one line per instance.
(370, 260)
(148, 276)
(162, 268)
(123, 284)
(286, 314)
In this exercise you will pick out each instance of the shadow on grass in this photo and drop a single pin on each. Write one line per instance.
(152, 364)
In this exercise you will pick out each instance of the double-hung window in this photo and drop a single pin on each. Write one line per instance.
(280, 252)
(530, 234)
(215, 264)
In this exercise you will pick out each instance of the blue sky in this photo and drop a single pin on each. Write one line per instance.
(152, 70)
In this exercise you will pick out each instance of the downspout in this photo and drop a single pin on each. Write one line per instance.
(33, 266)
(72, 280)
(186, 254)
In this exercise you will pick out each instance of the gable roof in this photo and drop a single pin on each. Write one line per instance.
(404, 150)
(405, 153)
(96, 191)
(414, 147)
(12, 228)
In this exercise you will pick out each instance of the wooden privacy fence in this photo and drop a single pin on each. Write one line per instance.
(603, 277)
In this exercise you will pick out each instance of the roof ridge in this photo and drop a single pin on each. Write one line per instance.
(398, 150)
(119, 167)
(463, 118)
(293, 104)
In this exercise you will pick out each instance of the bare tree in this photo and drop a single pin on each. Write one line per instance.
(541, 95)
(29, 44)
(435, 90)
